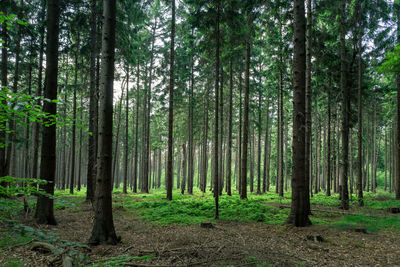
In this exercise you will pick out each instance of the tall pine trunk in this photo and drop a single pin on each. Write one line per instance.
(103, 226)
(299, 208)
(45, 204)
(171, 107)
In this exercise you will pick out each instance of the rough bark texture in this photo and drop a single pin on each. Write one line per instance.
(299, 214)
(345, 113)
(93, 103)
(44, 207)
(103, 226)
(308, 161)
(171, 107)
(245, 140)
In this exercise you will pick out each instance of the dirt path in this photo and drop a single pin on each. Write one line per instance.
(229, 243)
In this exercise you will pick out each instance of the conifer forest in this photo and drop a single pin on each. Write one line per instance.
(199, 133)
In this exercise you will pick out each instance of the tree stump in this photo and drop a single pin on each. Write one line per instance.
(206, 225)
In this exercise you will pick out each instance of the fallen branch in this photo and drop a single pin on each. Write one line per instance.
(21, 244)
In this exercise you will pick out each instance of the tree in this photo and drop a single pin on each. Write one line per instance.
(171, 107)
(359, 136)
(216, 140)
(103, 226)
(299, 213)
(44, 207)
(245, 140)
(93, 108)
(344, 193)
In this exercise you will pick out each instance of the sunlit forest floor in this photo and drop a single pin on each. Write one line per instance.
(156, 232)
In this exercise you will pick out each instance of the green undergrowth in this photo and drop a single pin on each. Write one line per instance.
(267, 208)
(188, 211)
(368, 222)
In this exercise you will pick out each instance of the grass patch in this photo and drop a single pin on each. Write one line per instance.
(369, 222)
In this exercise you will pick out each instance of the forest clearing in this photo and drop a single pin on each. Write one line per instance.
(200, 133)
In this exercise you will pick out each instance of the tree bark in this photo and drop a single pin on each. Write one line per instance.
(229, 154)
(216, 139)
(44, 206)
(245, 140)
(345, 112)
(299, 208)
(93, 106)
(171, 107)
(266, 152)
(135, 164)
(308, 162)
(103, 226)
(190, 122)
(73, 146)
(125, 186)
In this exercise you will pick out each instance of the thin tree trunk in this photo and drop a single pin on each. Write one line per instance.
(184, 157)
(245, 141)
(115, 169)
(135, 164)
(171, 107)
(190, 122)
(93, 107)
(266, 151)
(216, 138)
(125, 186)
(36, 138)
(229, 156)
(73, 147)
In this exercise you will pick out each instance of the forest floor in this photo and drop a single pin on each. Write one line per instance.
(155, 232)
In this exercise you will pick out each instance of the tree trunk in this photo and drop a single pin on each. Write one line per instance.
(36, 138)
(259, 143)
(103, 225)
(216, 138)
(229, 156)
(93, 107)
(135, 164)
(125, 186)
(190, 122)
(115, 169)
(266, 152)
(245, 140)
(240, 133)
(73, 146)
(359, 134)
(345, 112)
(184, 157)
(205, 145)
(299, 207)
(171, 107)
(44, 206)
